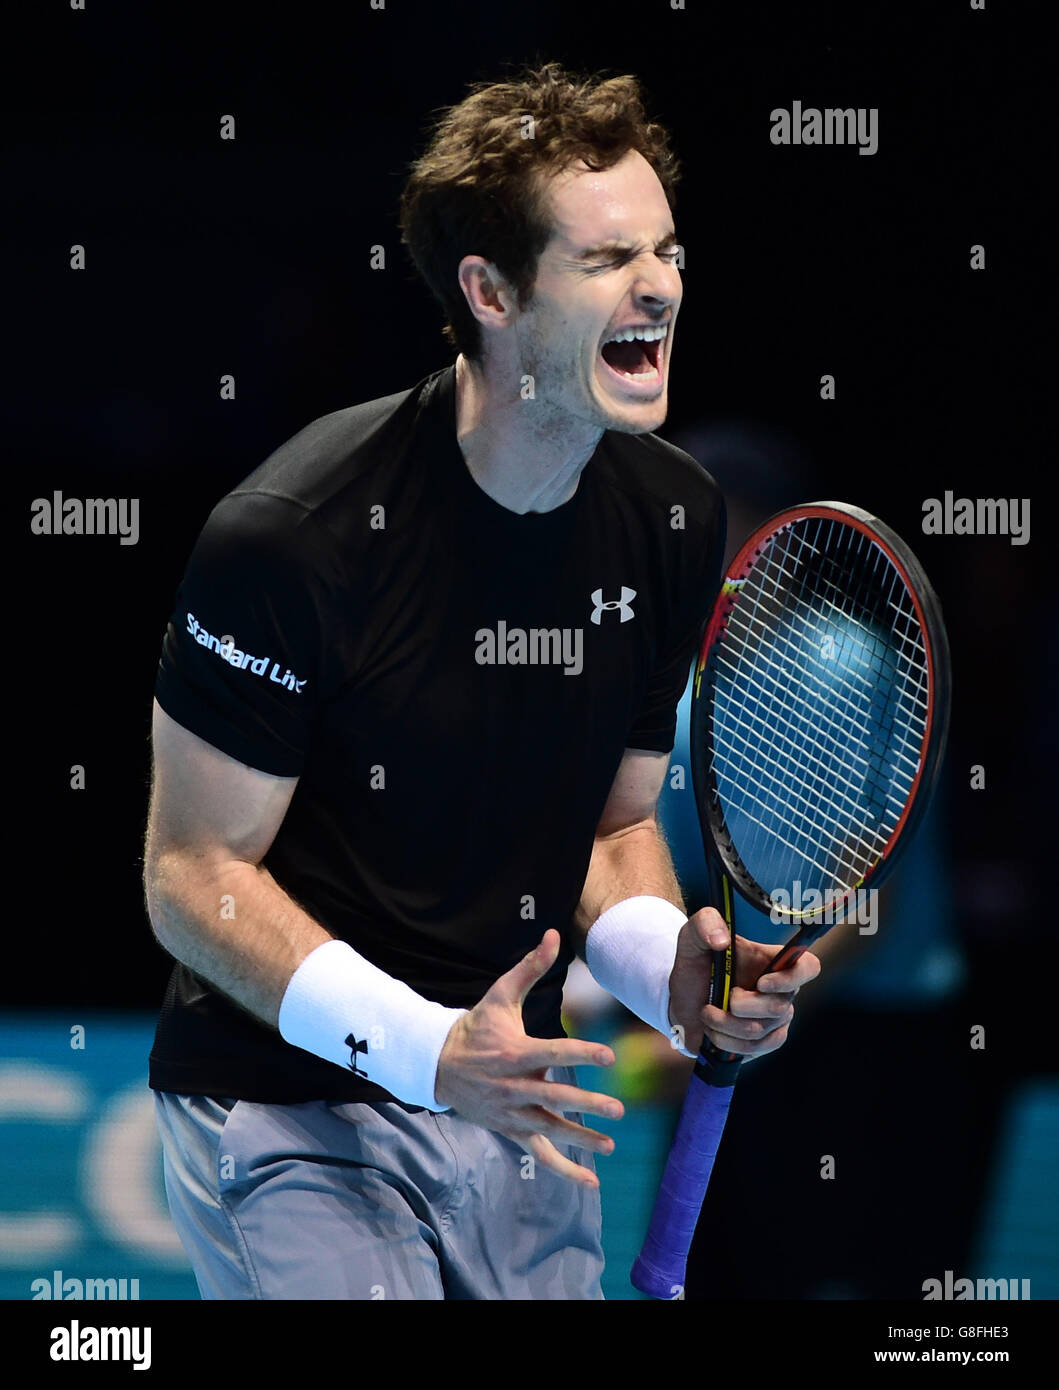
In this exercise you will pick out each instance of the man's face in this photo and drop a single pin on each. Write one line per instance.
(608, 269)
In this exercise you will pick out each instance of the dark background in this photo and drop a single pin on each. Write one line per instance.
(251, 257)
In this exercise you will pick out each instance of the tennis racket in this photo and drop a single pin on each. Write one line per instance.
(819, 716)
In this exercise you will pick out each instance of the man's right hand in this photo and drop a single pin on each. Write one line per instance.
(491, 1072)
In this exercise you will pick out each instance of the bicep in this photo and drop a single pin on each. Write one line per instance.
(633, 796)
(207, 804)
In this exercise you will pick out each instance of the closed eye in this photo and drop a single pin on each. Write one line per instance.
(668, 254)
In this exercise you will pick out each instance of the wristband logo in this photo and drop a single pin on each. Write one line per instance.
(243, 661)
(356, 1046)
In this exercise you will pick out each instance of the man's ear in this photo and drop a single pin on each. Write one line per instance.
(489, 297)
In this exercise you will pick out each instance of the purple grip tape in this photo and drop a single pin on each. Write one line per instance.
(660, 1269)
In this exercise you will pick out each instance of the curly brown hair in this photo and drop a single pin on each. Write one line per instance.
(480, 187)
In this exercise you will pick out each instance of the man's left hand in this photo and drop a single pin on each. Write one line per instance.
(759, 1009)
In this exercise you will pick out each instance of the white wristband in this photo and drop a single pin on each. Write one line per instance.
(342, 1008)
(630, 951)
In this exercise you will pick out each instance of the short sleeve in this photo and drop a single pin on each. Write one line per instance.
(244, 659)
(655, 726)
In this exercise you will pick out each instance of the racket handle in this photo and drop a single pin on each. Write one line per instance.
(662, 1263)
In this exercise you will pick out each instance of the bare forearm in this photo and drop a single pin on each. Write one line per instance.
(232, 924)
(624, 865)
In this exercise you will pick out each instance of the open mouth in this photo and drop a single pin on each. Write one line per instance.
(635, 355)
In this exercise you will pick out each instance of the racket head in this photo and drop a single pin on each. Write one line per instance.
(820, 711)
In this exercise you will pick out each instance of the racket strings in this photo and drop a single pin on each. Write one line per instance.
(819, 707)
(778, 672)
(827, 585)
(841, 730)
(783, 793)
(852, 692)
(845, 736)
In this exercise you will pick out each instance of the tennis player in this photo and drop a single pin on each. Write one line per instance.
(413, 713)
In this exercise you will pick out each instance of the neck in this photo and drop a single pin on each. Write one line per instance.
(521, 454)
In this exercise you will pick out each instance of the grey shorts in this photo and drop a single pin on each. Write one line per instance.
(368, 1201)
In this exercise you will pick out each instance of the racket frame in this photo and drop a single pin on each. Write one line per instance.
(725, 871)
(660, 1268)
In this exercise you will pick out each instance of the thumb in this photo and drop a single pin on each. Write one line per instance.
(709, 931)
(512, 988)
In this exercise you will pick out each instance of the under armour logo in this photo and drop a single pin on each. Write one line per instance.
(623, 604)
(355, 1047)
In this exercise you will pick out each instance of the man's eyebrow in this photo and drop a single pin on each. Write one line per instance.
(619, 247)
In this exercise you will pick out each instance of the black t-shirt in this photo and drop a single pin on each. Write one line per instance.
(453, 684)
